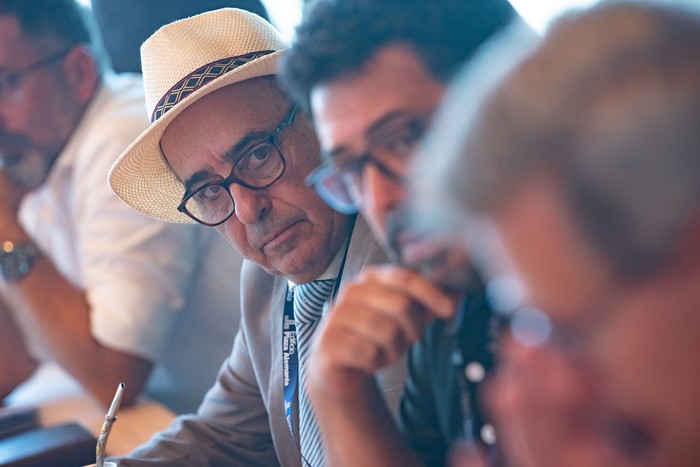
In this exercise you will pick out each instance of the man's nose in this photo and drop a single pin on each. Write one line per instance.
(250, 205)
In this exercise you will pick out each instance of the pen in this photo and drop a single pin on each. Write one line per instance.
(110, 418)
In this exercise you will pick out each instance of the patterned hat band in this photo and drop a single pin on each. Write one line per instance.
(200, 77)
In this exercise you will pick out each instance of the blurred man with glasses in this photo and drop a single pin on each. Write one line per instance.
(372, 73)
(228, 148)
(590, 219)
(86, 284)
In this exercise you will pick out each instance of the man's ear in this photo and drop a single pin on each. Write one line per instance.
(81, 71)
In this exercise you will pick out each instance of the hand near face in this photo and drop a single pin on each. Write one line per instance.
(547, 414)
(373, 322)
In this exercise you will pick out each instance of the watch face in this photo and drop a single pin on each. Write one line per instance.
(16, 260)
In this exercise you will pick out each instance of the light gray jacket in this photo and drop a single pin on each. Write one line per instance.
(241, 420)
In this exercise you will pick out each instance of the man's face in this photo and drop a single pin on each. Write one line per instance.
(391, 89)
(375, 107)
(636, 342)
(285, 228)
(37, 112)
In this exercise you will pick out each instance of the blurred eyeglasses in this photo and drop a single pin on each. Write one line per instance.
(339, 182)
(10, 80)
(257, 168)
(532, 326)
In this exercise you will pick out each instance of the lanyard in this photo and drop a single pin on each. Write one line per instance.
(290, 361)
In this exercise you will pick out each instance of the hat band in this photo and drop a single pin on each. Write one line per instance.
(200, 77)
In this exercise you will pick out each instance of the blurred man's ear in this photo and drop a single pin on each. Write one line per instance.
(81, 71)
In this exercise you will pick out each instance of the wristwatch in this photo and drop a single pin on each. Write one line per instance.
(17, 259)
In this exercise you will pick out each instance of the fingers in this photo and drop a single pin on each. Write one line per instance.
(380, 313)
(391, 306)
(373, 322)
(411, 284)
(346, 348)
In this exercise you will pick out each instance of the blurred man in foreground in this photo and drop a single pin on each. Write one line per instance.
(371, 74)
(593, 198)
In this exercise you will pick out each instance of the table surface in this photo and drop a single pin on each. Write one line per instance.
(66, 402)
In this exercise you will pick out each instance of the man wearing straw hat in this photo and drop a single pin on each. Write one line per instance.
(226, 148)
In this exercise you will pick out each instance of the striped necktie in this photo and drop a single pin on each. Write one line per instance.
(308, 307)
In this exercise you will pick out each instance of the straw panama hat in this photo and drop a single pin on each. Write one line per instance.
(182, 62)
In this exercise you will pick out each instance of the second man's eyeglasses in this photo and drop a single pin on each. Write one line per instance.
(339, 182)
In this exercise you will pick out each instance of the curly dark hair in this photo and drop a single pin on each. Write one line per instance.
(337, 37)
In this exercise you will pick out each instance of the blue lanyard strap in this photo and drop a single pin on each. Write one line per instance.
(290, 362)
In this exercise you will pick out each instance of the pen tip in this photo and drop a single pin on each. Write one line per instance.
(121, 385)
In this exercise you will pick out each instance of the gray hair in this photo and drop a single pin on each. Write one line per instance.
(609, 104)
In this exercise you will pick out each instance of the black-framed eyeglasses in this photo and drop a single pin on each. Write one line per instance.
(11, 79)
(339, 182)
(257, 168)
